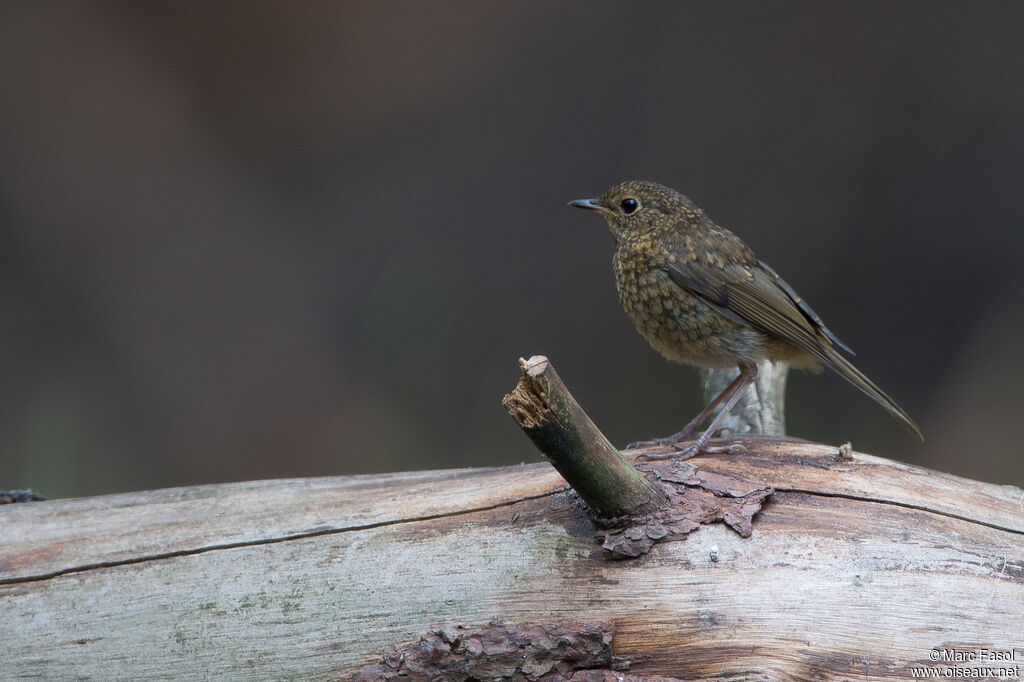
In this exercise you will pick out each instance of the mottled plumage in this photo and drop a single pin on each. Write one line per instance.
(699, 295)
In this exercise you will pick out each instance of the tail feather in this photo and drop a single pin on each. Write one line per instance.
(843, 368)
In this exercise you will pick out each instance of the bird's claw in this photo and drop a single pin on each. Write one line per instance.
(726, 449)
(653, 442)
(681, 453)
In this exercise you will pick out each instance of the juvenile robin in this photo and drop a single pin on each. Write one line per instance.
(700, 296)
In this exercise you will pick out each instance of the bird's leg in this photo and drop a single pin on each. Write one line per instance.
(760, 405)
(687, 431)
(747, 375)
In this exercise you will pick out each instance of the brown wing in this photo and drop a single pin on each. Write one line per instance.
(804, 308)
(755, 295)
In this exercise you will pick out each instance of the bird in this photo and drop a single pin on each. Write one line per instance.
(700, 296)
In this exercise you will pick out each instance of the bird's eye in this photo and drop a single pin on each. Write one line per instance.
(629, 205)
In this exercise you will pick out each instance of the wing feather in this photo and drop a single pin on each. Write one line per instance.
(753, 294)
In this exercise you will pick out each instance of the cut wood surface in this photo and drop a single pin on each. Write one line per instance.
(856, 569)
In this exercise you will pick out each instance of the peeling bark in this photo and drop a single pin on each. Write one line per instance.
(530, 653)
(695, 498)
(559, 652)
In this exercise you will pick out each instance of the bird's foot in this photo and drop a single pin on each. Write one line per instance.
(653, 442)
(674, 439)
(681, 453)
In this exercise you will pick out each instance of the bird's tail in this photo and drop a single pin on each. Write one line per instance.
(843, 368)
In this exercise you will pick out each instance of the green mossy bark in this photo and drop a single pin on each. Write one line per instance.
(563, 432)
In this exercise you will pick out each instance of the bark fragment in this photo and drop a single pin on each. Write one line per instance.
(527, 653)
(695, 497)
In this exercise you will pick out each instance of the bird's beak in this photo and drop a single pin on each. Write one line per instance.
(590, 204)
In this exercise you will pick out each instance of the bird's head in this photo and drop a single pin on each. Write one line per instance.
(636, 207)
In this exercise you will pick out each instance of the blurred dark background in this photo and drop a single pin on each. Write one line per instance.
(255, 239)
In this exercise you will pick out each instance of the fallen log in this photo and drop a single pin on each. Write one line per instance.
(853, 567)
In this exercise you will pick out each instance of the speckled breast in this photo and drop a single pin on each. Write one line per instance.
(676, 323)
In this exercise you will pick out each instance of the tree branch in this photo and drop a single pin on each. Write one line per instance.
(546, 411)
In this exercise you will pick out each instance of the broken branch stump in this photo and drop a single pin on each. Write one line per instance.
(563, 432)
